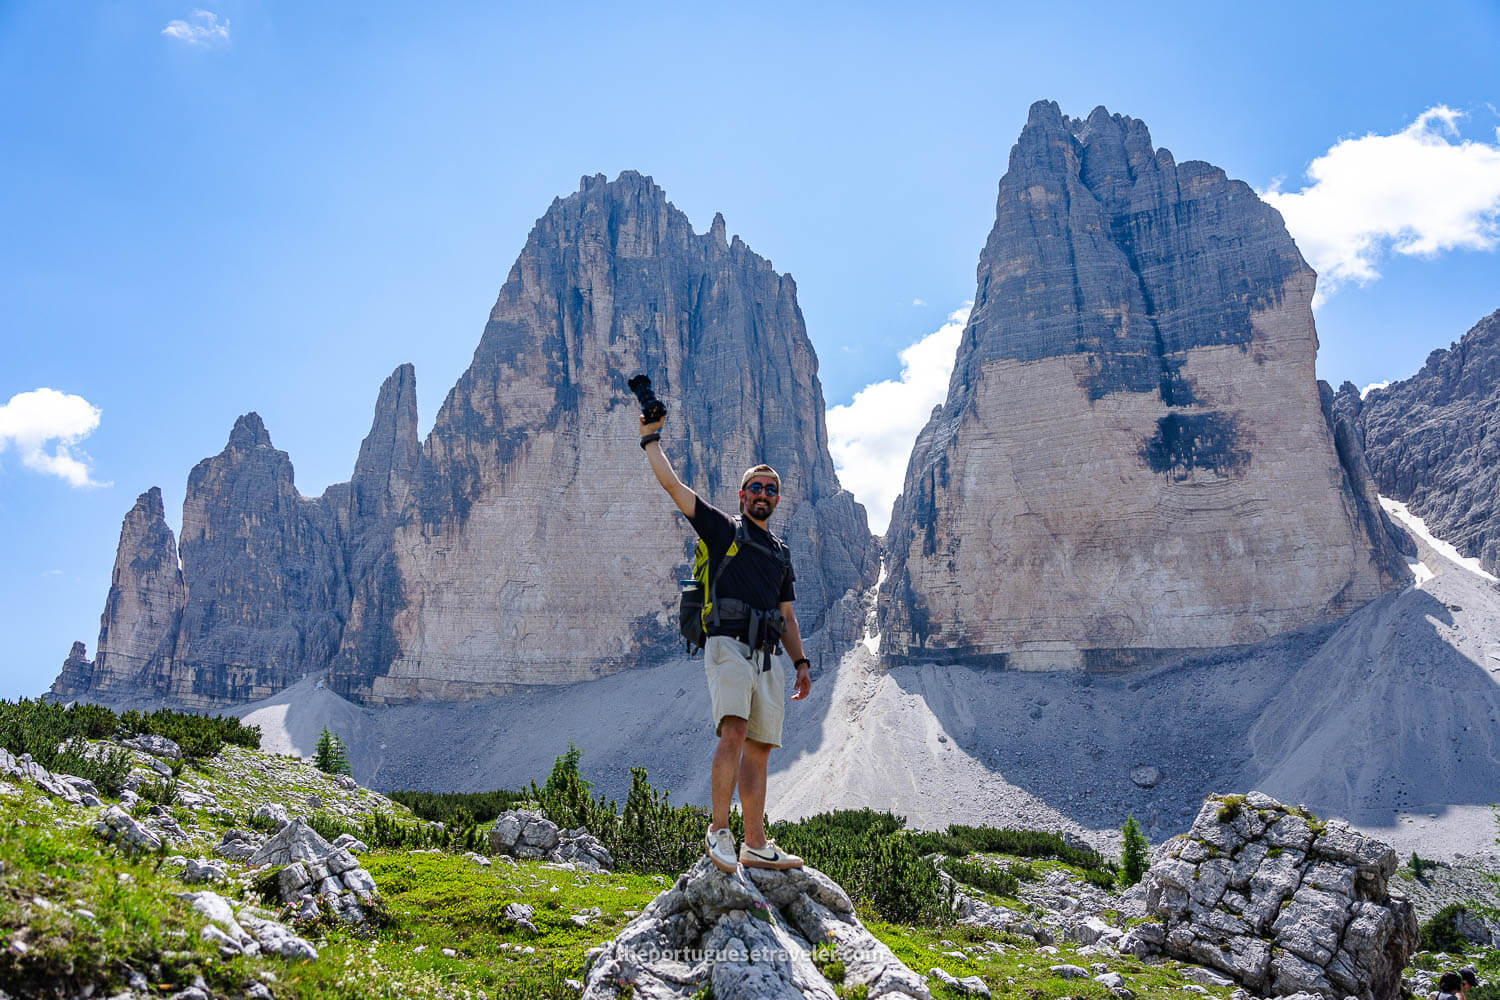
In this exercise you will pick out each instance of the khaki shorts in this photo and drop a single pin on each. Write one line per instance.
(738, 686)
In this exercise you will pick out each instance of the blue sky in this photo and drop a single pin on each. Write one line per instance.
(269, 206)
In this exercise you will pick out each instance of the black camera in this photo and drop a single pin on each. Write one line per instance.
(652, 409)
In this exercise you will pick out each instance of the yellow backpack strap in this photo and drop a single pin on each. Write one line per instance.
(710, 610)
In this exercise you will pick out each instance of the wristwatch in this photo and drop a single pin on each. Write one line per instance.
(801, 660)
(648, 438)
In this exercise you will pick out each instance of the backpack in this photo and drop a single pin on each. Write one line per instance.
(696, 607)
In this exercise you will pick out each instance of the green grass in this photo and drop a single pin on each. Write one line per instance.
(438, 900)
(48, 853)
(1022, 971)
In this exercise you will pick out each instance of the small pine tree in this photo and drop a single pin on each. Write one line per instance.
(329, 755)
(565, 771)
(1134, 858)
(1417, 865)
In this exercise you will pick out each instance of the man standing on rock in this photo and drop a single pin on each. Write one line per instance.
(746, 679)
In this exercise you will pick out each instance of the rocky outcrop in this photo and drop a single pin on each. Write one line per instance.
(1432, 442)
(1280, 901)
(465, 566)
(77, 672)
(748, 935)
(143, 612)
(1132, 461)
(521, 833)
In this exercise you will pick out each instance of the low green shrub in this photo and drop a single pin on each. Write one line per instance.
(381, 830)
(1441, 932)
(56, 738)
(959, 841)
(982, 876)
(653, 835)
(1103, 878)
(106, 766)
(459, 808)
(874, 858)
(567, 799)
(162, 791)
(200, 737)
(40, 727)
(263, 824)
(1025, 871)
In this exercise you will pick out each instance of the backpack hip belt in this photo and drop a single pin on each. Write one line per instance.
(763, 629)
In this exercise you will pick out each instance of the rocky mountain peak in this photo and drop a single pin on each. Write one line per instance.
(1433, 440)
(461, 567)
(390, 453)
(532, 442)
(249, 432)
(148, 506)
(142, 612)
(1127, 390)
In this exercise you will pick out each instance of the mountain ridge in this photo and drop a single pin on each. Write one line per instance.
(454, 567)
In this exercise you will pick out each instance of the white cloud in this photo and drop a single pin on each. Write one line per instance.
(45, 425)
(919, 302)
(205, 29)
(1372, 387)
(871, 438)
(1417, 192)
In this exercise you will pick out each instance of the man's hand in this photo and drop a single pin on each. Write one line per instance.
(803, 685)
(653, 427)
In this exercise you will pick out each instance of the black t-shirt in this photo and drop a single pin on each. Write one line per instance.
(752, 576)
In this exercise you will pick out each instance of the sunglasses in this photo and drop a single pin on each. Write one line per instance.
(769, 489)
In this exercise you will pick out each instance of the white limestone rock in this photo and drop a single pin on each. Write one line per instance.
(747, 935)
(1278, 902)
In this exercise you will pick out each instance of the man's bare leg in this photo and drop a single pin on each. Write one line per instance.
(752, 782)
(726, 768)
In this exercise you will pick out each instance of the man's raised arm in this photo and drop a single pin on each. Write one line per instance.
(685, 499)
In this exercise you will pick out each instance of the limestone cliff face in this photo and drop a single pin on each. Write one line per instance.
(1132, 459)
(526, 541)
(143, 611)
(540, 549)
(264, 577)
(1433, 440)
(371, 507)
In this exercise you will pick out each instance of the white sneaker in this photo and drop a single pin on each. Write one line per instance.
(769, 856)
(719, 846)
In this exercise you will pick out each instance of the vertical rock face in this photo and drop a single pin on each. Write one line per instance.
(1133, 458)
(373, 506)
(1433, 440)
(263, 571)
(540, 549)
(142, 613)
(526, 542)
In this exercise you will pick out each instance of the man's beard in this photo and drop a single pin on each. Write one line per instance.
(760, 509)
